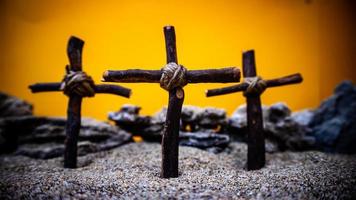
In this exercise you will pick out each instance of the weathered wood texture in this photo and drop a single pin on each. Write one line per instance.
(256, 141)
(72, 131)
(287, 80)
(169, 168)
(224, 75)
(170, 135)
(100, 88)
(74, 52)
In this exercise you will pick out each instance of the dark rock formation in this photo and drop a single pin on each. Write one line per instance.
(13, 107)
(154, 130)
(36, 136)
(128, 118)
(198, 126)
(303, 117)
(207, 140)
(53, 149)
(278, 112)
(334, 122)
(281, 128)
(281, 131)
(190, 118)
(330, 128)
(212, 118)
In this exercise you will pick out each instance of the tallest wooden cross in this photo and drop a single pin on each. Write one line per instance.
(173, 78)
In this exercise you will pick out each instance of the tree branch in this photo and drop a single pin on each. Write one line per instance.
(286, 80)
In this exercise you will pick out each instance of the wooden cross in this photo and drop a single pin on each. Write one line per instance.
(256, 142)
(74, 51)
(169, 167)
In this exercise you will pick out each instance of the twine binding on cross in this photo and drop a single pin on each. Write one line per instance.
(173, 75)
(256, 86)
(77, 82)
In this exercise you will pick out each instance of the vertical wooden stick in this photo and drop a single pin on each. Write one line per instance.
(72, 131)
(74, 51)
(170, 134)
(256, 142)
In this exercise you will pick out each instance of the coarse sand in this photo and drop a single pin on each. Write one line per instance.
(132, 171)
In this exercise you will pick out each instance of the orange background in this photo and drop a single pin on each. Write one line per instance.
(313, 37)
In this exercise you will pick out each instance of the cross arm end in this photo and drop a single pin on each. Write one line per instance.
(286, 80)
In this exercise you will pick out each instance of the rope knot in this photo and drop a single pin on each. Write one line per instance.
(256, 86)
(173, 75)
(77, 82)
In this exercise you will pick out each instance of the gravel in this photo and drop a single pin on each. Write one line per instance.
(132, 171)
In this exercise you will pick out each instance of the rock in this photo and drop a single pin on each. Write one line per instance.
(48, 129)
(212, 118)
(199, 121)
(210, 141)
(281, 131)
(128, 118)
(237, 123)
(52, 149)
(190, 118)
(238, 118)
(270, 146)
(128, 114)
(160, 116)
(13, 107)
(34, 134)
(154, 130)
(278, 112)
(303, 117)
(42, 151)
(334, 122)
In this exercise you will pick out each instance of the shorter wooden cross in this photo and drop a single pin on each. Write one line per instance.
(253, 87)
(181, 76)
(76, 93)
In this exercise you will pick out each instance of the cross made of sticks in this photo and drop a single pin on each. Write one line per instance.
(253, 86)
(76, 85)
(172, 78)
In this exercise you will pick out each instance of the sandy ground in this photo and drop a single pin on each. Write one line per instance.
(132, 171)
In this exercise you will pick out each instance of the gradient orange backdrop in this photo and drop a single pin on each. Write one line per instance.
(313, 37)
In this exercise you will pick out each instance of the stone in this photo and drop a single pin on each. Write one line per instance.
(208, 140)
(237, 123)
(199, 134)
(128, 118)
(278, 112)
(52, 149)
(281, 131)
(11, 128)
(191, 133)
(160, 116)
(14, 107)
(190, 118)
(212, 118)
(28, 134)
(271, 146)
(238, 118)
(303, 117)
(42, 151)
(153, 131)
(334, 122)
